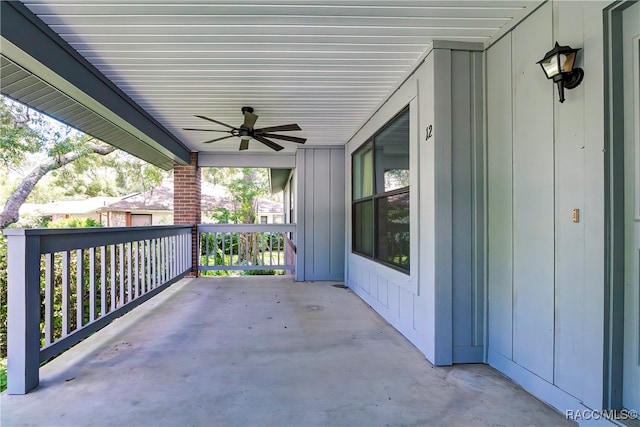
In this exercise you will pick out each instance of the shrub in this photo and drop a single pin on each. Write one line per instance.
(74, 223)
(262, 272)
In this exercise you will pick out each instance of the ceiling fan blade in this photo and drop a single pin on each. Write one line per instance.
(249, 120)
(268, 143)
(206, 130)
(215, 121)
(244, 144)
(278, 128)
(286, 137)
(218, 139)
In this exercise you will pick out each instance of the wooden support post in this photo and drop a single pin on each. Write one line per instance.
(23, 334)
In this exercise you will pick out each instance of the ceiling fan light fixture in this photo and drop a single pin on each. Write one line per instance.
(247, 131)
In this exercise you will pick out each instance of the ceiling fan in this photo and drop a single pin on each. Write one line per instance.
(247, 131)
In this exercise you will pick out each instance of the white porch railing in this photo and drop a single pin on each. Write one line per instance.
(65, 284)
(247, 247)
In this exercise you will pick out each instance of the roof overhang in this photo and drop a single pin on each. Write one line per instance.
(41, 70)
(278, 179)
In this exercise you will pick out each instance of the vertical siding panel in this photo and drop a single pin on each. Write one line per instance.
(321, 237)
(322, 212)
(500, 198)
(533, 203)
(337, 177)
(570, 338)
(461, 170)
(310, 214)
(300, 213)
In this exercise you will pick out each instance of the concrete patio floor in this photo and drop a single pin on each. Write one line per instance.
(264, 351)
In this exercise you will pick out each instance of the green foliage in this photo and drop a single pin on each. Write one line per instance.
(74, 223)
(66, 223)
(17, 136)
(119, 173)
(245, 185)
(133, 175)
(3, 375)
(221, 215)
(28, 137)
(32, 221)
(262, 272)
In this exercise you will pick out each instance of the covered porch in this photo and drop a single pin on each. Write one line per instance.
(263, 351)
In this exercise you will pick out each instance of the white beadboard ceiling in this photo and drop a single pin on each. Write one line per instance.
(324, 64)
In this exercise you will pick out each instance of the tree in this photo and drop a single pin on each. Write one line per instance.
(22, 132)
(32, 146)
(245, 186)
(10, 213)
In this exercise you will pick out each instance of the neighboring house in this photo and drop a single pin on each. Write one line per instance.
(269, 212)
(86, 208)
(155, 207)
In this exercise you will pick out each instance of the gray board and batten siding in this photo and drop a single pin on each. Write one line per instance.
(439, 304)
(544, 159)
(320, 213)
(542, 294)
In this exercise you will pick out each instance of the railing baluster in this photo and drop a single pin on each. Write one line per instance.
(92, 284)
(66, 290)
(179, 253)
(79, 288)
(253, 247)
(172, 257)
(103, 280)
(219, 250)
(164, 259)
(121, 273)
(143, 266)
(246, 246)
(48, 298)
(113, 276)
(280, 262)
(169, 258)
(152, 264)
(158, 262)
(270, 248)
(129, 271)
(136, 269)
(204, 238)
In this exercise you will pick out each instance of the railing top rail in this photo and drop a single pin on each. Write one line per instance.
(91, 230)
(64, 239)
(246, 227)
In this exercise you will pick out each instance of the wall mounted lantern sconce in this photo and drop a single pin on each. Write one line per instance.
(557, 64)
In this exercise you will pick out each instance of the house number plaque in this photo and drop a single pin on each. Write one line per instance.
(429, 132)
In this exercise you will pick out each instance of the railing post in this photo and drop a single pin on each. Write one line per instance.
(23, 320)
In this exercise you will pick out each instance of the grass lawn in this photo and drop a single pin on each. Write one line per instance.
(3, 375)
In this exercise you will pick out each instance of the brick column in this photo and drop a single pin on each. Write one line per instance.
(186, 202)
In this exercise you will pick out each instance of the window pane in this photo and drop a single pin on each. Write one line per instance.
(363, 227)
(392, 155)
(363, 172)
(392, 243)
